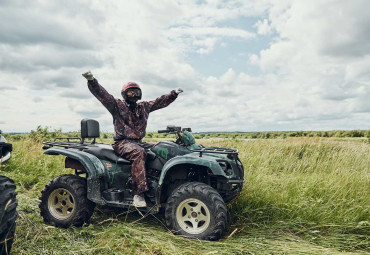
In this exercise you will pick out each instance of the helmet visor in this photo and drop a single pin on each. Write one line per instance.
(133, 92)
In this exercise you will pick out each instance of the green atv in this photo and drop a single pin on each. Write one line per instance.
(191, 182)
(8, 202)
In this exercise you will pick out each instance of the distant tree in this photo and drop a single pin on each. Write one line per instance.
(41, 134)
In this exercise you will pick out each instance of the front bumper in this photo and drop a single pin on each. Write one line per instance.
(230, 189)
(233, 186)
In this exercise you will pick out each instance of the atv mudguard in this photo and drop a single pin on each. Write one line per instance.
(5, 149)
(93, 166)
(192, 159)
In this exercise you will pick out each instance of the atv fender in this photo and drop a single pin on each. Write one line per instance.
(93, 166)
(5, 150)
(192, 159)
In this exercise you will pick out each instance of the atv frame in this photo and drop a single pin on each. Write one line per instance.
(171, 166)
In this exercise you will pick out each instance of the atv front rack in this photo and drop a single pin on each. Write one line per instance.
(218, 150)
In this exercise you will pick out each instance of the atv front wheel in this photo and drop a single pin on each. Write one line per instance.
(8, 214)
(196, 210)
(64, 201)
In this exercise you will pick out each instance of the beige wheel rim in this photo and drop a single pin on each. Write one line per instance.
(193, 216)
(61, 204)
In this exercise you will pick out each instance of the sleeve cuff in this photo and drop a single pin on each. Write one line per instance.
(93, 81)
(174, 94)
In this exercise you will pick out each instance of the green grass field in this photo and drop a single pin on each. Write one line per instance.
(301, 196)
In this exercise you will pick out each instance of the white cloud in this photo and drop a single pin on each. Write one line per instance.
(263, 27)
(322, 51)
(206, 45)
(213, 31)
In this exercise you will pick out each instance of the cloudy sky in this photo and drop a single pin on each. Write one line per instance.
(251, 65)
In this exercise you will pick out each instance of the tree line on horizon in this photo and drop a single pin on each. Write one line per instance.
(44, 133)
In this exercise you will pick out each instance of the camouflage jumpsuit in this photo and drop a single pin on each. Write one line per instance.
(129, 129)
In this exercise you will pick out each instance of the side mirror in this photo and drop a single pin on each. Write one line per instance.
(89, 129)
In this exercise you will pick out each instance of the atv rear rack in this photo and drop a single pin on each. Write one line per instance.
(218, 150)
(68, 144)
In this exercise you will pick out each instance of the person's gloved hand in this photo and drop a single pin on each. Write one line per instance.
(88, 75)
(178, 91)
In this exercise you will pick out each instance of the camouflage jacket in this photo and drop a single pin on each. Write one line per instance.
(129, 124)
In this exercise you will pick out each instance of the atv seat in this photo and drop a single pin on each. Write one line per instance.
(105, 151)
(90, 129)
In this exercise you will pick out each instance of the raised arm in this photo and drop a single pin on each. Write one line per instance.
(100, 93)
(164, 100)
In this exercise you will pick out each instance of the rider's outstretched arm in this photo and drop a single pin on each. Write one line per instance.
(162, 101)
(100, 93)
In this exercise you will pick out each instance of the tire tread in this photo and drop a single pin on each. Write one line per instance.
(8, 214)
(188, 189)
(79, 186)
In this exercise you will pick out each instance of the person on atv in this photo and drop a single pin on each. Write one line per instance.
(130, 121)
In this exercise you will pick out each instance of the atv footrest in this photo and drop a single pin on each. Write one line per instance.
(113, 195)
(123, 204)
(129, 204)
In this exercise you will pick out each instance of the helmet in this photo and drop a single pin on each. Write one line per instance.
(131, 86)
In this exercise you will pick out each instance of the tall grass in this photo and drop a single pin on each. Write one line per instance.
(301, 195)
(310, 180)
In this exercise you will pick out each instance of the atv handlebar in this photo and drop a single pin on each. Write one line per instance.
(171, 130)
(174, 130)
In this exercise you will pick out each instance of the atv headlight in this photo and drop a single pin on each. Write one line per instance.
(225, 167)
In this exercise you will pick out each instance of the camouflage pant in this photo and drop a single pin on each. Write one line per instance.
(135, 153)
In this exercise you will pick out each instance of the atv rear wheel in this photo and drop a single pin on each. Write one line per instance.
(64, 201)
(8, 214)
(196, 210)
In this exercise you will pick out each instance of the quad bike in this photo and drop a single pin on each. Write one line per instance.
(191, 182)
(8, 202)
